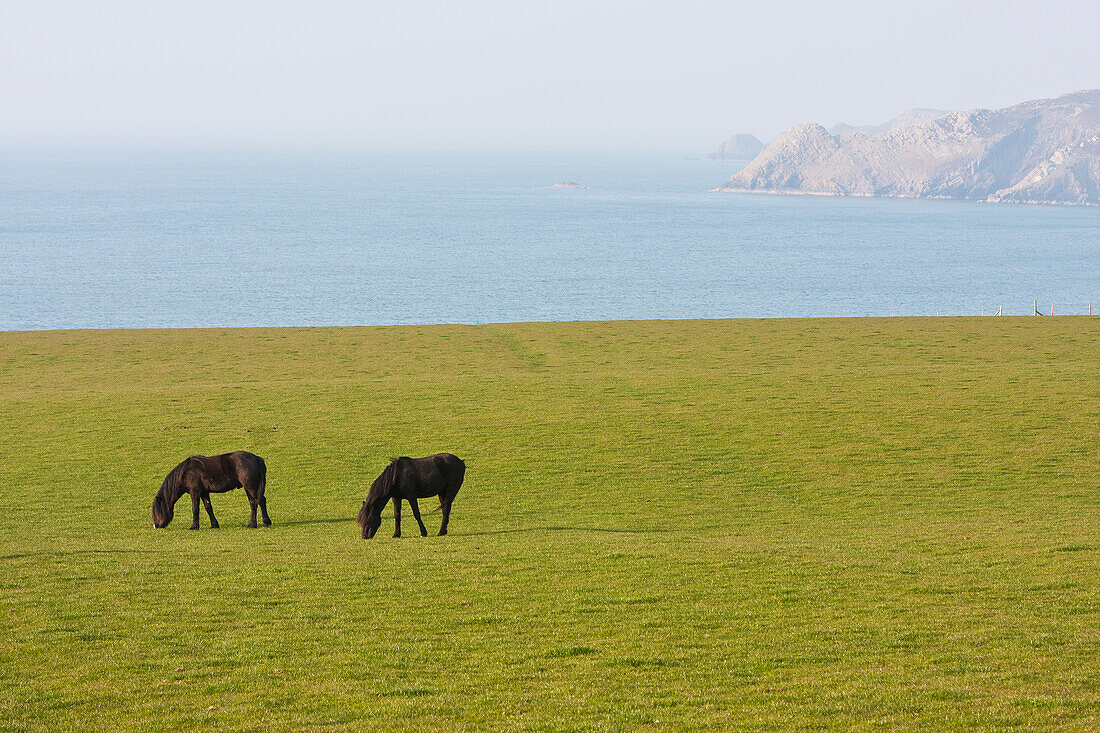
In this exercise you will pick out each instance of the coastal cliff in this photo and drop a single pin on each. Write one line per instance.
(1042, 151)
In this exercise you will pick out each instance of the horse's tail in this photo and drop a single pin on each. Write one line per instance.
(261, 484)
(454, 481)
(459, 474)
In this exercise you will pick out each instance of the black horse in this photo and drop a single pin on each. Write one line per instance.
(201, 476)
(411, 479)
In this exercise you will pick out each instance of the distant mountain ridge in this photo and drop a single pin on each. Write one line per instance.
(1042, 151)
(909, 117)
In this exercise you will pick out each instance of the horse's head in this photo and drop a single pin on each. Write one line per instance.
(165, 501)
(162, 511)
(370, 516)
(370, 519)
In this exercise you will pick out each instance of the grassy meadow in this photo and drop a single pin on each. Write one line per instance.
(696, 525)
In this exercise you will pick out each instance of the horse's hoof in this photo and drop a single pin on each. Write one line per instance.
(252, 525)
(267, 522)
(193, 526)
(215, 526)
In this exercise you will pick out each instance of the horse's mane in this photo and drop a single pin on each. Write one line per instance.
(382, 487)
(169, 488)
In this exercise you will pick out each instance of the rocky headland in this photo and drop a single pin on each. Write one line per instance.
(1043, 151)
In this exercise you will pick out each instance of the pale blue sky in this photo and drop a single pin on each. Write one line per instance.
(673, 77)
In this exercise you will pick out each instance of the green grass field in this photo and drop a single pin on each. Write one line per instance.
(706, 525)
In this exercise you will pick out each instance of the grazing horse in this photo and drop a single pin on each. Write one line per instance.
(201, 476)
(411, 479)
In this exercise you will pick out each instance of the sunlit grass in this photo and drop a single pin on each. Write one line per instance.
(670, 525)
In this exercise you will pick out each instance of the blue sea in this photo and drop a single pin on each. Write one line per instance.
(126, 238)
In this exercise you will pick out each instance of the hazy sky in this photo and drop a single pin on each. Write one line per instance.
(671, 76)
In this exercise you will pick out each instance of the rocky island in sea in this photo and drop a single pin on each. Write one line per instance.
(738, 147)
(1043, 151)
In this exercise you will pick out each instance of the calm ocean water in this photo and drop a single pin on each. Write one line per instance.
(116, 238)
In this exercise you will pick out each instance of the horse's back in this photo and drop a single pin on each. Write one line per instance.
(434, 474)
(239, 467)
(451, 467)
(250, 468)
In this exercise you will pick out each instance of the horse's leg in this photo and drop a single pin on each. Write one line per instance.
(446, 506)
(195, 509)
(210, 511)
(454, 483)
(260, 499)
(416, 513)
(396, 516)
(263, 511)
(252, 502)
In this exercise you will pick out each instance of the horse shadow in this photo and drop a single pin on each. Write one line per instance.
(73, 553)
(333, 520)
(606, 530)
